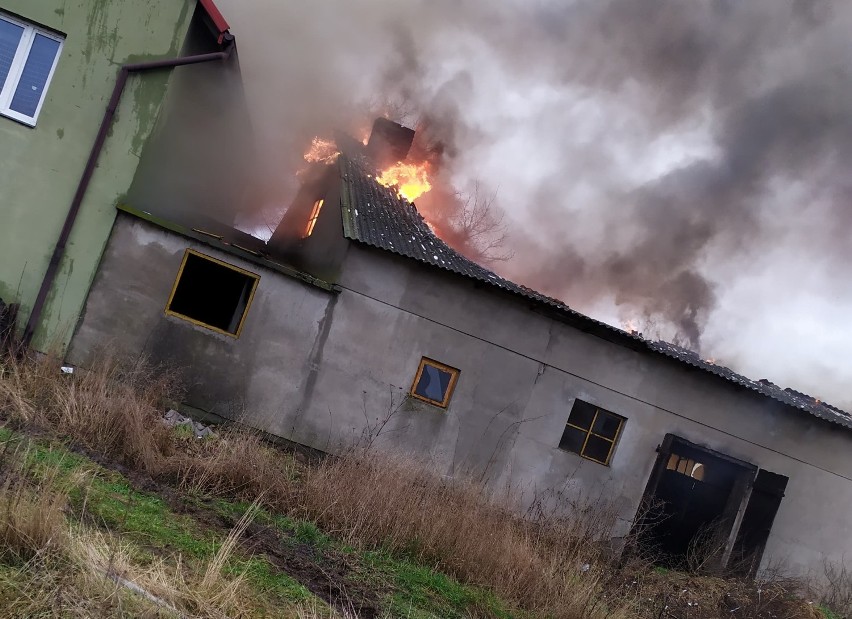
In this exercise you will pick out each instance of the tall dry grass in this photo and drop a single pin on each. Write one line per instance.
(32, 523)
(238, 463)
(116, 408)
(369, 499)
(553, 565)
(55, 567)
(112, 407)
(550, 563)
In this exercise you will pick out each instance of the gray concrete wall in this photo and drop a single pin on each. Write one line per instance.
(264, 370)
(520, 373)
(326, 369)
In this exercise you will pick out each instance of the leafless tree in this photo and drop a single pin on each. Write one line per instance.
(480, 228)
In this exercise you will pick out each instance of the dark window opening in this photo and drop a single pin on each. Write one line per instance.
(434, 382)
(212, 293)
(591, 432)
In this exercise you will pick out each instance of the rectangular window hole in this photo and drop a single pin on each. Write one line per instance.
(212, 293)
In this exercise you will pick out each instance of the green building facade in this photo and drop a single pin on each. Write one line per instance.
(59, 61)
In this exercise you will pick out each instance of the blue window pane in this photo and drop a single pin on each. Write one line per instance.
(33, 79)
(433, 383)
(10, 36)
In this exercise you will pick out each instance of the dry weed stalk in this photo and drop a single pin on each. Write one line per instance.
(381, 500)
(31, 521)
(551, 562)
(174, 588)
(238, 463)
(111, 407)
(835, 587)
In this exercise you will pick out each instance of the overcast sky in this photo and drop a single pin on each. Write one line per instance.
(684, 164)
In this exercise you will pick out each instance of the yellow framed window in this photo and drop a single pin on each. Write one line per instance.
(591, 432)
(312, 220)
(434, 382)
(212, 293)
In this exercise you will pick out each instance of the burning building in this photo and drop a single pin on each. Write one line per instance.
(356, 321)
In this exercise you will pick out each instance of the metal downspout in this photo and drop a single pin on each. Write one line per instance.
(88, 171)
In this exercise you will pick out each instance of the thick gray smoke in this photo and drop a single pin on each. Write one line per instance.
(680, 164)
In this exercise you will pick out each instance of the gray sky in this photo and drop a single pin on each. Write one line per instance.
(682, 164)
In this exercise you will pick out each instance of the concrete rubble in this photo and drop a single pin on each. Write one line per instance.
(174, 419)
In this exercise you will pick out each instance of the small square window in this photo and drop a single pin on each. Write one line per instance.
(434, 382)
(212, 293)
(28, 57)
(591, 432)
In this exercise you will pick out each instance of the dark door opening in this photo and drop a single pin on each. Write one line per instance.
(693, 498)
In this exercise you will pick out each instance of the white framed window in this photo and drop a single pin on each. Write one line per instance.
(28, 57)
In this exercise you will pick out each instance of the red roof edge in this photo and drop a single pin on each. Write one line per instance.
(215, 16)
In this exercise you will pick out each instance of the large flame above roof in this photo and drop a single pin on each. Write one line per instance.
(411, 180)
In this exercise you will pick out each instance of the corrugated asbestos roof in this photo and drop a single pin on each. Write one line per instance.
(375, 215)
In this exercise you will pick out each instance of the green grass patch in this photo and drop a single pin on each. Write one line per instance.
(109, 498)
(146, 518)
(421, 592)
(267, 579)
(43, 457)
(304, 532)
(308, 533)
(827, 613)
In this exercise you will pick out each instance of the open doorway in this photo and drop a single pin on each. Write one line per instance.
(701, 510)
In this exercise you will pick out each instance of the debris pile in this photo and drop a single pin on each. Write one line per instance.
(174, 419)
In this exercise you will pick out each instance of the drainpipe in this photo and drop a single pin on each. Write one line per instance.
(88, 171)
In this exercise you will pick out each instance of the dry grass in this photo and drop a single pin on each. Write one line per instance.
(373, 499)
(547, 564)
(112, 408)
(50, 567)
(32, 523)
(835, 587)
(239, 463)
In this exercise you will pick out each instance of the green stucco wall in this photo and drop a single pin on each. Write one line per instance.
(42, 165)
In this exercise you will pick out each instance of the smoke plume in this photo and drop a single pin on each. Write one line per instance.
(679, 164)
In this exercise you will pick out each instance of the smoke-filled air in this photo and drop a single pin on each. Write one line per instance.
(678, 167)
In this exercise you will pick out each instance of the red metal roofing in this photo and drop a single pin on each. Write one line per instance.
(215, 15)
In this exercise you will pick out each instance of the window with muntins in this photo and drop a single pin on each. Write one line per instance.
(212, 293)
(591, 432)
(434, 382)
(28, 57)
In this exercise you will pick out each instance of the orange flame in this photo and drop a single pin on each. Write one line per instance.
(411, 180)
(321, 151)
(630, 326)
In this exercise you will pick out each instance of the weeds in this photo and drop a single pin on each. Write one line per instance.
(448, 538)
(111, 408)
(836, 593)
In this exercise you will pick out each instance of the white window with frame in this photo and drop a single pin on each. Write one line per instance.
(28, 57)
